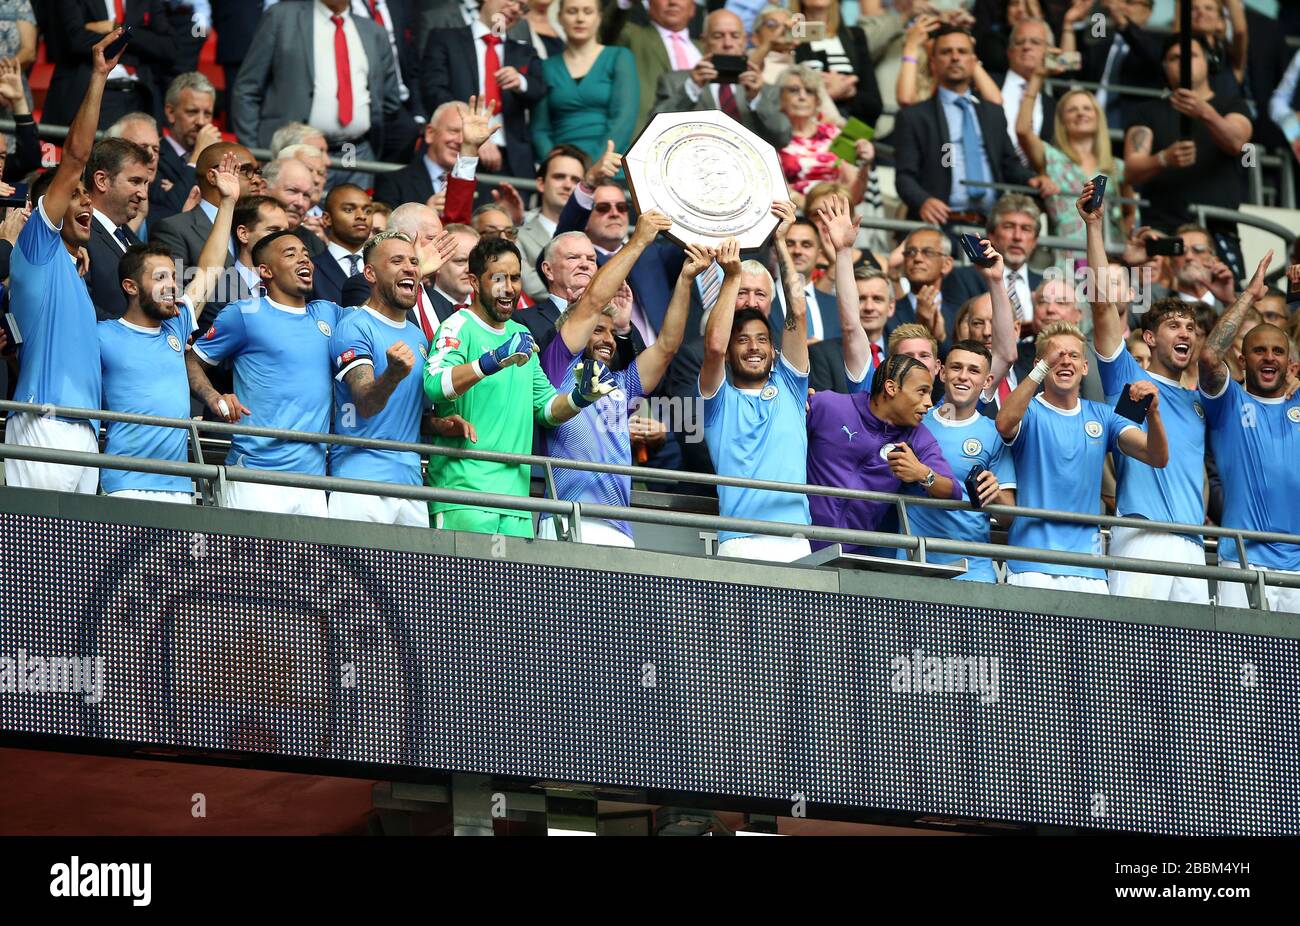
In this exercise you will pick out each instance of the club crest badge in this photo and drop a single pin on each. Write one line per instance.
(174, 343)
(768, 393)
(324, 328)
(1294, 414)
(885, 451)
(972, 447)
(1092, 429)
(1200, 412)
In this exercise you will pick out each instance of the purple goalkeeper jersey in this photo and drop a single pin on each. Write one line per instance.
(847, 447)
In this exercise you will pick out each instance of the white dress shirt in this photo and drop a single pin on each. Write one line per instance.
(343, 257)
(108, 224)
(1013, 91)
(324, 115)
(480, 54)
(816, 327)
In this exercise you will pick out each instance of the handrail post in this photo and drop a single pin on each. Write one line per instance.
(561, 529)
(905, 528)
(204, 485)
(221, 488)
(1258, 599)
(576, 527)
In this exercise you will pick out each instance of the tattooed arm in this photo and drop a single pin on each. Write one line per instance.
(1214, 372)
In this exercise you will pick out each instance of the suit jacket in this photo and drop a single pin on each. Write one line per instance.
(764, 117)
(278, 76)
(180, 176)
(449, 71)
(411, 184)
(618, 28)
(920, 134)
(185, 233)
(826, 366)
(328, 278)
(70, 43)
(105, 288)
(408, 36)
(532, 240)
(235, 22)
(682, 381)
(827, 304)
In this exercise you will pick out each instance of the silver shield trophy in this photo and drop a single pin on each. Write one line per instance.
(713, 177)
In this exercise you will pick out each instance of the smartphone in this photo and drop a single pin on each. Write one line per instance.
(1164, 247)
(1133, 411)
(808, 31)
(1063, 60)
(16, 200)
(1098, 192)
(729, 67)
(972, 485)
(975, 251)
(114, 48)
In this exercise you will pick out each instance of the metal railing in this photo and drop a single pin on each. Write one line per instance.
(217, 476)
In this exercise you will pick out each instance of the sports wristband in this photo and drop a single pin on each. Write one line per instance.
(1040, 371)
(910, 59)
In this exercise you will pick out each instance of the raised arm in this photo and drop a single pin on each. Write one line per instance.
(835, 219)
(605, 284)
(1213, 370)
(717, 334)
(81, 135)
(652, 363)
(1016, 404)
(905, 86)
(1005, 330)
(1150, 446)
(212, 259)
(1030, 143)
(794, 340)
(1107, 327)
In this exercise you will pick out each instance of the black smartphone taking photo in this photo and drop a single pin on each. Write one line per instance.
(1164, 247)
(1098, 192)
(729, 67)
(115, 47)
(972, 485)
(975, 251)
(1133, 411)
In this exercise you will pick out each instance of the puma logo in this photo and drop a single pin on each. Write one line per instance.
(851, 434)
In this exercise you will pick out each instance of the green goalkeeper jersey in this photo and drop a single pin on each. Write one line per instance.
(502, 407)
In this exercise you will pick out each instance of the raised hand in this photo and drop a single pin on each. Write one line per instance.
(1081, 205)
(622, 303)
(592, 382)
(729, 257)
(927, 310)
(1135, 249)
(401, 359)
(837, 223)
(699, 257)
(103, 65)
(433, 255)
(1257, 286)
(1222, 284)
(476, 124)
(11, 82)
(606, 168)
(508, 198)
(226, 176)
(704, 73)
(516, 349)
(13, 223)
(995, 270)
(783, 209)
(649, 225)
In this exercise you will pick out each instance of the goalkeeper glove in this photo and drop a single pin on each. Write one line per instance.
(514, 350)
(592, 382)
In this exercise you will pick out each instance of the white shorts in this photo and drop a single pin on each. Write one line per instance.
(1163, 548)
(769, 549)
(150, 495)
(253, 496)
(379, 509)
(28, 430)
(1233, 594)
(1058, 583)
(594, 530)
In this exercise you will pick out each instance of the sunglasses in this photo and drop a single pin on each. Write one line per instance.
(604, 208)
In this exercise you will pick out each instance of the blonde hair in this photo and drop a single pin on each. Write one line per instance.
(908, 332)
(832, 15)
(1057, 329)
(1101, 140)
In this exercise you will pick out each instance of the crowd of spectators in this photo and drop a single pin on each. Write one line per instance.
(227, 249)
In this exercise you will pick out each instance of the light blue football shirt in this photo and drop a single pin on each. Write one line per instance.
(364, 337)
(59, 354)
(1059, 457)
(1173, 493)
(760, 436)
(970, 442)
(144, 374)
(1256, 445)
(283, 375)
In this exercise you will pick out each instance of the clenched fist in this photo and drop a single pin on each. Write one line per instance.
(401, 359)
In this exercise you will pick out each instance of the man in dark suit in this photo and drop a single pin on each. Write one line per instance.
(118, 172)
(952, 137)
(927, 261)
(75, 29)
(347, 227)
(476, 60)
(400, 20)
(822, 308)
(235, 22)
(279, 82)
(749, 101)
(185, 232)
(1026, 52)
(442, 176)
(875, 308)
(1124, 52)
(188, 106)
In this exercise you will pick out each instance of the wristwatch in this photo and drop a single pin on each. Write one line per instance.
(929, 479)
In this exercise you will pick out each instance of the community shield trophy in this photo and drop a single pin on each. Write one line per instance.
(712, 176)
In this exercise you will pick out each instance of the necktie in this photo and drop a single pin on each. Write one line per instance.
(491, 64)
(119, 11)
(374, 12)
(343, 70)
(423, 312)
(123, 236)
(727, 101)
(972, 150)
(681, 60)
(1004, 390)
(1013, 294)
(875, 355)
(710, 284)
(353, 261)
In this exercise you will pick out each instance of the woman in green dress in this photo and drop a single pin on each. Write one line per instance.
(592, 94)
